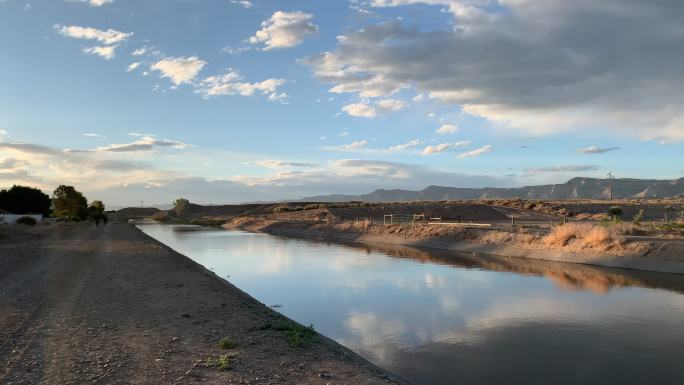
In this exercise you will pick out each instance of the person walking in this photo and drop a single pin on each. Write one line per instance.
(104, 220)
(97, 221)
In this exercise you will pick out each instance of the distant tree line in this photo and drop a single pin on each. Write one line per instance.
(66, 203)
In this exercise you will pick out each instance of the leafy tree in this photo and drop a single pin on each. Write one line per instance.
(180, 201)
(25, 200)
(69, 203)
(96, 210)
(615, 212)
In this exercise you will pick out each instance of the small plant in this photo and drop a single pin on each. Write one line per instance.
(221, 363)
(226, 343)
(638, 218)
(29, 221)
(300, 336)
(281, 209)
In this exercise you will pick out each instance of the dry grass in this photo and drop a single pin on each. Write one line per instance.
(561, 235)
(591, 235)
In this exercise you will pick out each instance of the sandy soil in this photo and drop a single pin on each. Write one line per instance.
(80, 304)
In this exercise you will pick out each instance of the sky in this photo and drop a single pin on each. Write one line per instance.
(223, 101)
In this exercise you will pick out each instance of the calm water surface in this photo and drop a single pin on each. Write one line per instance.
(444, 318)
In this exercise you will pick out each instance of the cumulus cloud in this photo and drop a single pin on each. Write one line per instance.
(145, 143)
(596, 150)
(525, 66)
(230, 83)
(133, 66)
(447, 129)
(107, 37)
(429, 150)
(476, 152)
(107, 52)
(367, 109)
(284, 30)
(179, 70)
(360, 110)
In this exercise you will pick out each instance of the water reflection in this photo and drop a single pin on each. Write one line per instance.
(444, 318)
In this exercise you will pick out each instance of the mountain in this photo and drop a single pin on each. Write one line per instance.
(576, 188)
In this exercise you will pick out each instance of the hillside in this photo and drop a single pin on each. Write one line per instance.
(576, 188)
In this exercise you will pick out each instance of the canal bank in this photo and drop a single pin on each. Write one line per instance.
(656, 256)
(112, 305)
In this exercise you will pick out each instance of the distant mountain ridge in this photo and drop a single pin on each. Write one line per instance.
(576, 188)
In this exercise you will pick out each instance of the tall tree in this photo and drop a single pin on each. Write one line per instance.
(69, 203)
(25, 200)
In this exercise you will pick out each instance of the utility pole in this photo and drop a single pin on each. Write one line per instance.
(610, 186)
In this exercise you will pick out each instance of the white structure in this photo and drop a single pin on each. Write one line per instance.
(12, 218)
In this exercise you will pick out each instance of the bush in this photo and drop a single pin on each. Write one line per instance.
(638, 218)
(29, 221)
(314, 206)
(561, 235)
(281, 209)
(226, 343)
(615, 212)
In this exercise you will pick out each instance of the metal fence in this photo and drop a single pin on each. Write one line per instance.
(391, 219)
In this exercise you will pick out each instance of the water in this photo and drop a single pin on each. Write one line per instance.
(443, 318)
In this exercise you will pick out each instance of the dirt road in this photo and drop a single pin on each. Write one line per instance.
(86, 305)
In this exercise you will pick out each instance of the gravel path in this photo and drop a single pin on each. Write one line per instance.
(87, 305)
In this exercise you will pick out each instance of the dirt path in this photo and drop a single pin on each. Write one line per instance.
(112, 306)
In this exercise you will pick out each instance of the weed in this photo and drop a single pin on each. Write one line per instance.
(299, 336)
(226, 343)
(221, 363)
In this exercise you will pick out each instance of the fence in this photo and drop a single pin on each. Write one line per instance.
(390, 219)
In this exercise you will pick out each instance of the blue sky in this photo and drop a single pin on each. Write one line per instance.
(228, 101)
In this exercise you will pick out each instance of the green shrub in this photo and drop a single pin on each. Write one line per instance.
(314, 206)
(299, 336)
(226, 343)
(221, 363)
(30, 221)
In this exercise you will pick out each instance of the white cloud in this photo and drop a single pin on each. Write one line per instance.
(477, 152)
(366, 109)
(360, 110)
(284, 30)
(107, 52)
(108, 37)
(145, 143)
(230, 83)
(277, 164)
(243, 3)
(92, 135)
(133, 66)
(179, 70)
(390, 105)
(560, 169)
(355, 145)
(406, 146)
(444, 147)
(94, 3)
(596, 150)
(447, 129)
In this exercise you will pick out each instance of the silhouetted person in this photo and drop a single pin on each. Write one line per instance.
(97, 222)
(104, 220)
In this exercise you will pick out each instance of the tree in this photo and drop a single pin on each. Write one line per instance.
(25, 200)
(180, 201)
(96, 210)
(615, 212)
(69, 203)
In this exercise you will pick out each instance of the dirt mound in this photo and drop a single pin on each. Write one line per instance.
(447, 211)
(127, 213)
